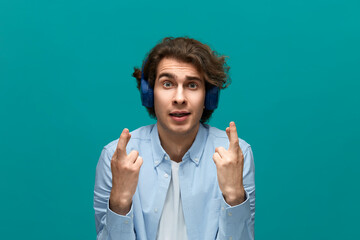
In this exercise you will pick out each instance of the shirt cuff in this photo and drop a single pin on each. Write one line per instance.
(233, 219)
(237, 212)
(119, 223)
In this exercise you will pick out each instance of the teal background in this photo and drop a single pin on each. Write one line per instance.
(66, 91)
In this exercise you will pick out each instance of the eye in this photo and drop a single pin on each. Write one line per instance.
(167, 84)
(193, 85)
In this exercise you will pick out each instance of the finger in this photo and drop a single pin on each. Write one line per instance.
(228, 132)
(138, 162)
(216, 157)
(123, 141)
(221, 151)
(133, 155)
(233, 138)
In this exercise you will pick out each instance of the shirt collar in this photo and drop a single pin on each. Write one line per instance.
(158, 152)
(194, 153)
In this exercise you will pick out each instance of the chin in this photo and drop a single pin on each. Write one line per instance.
(183, 129)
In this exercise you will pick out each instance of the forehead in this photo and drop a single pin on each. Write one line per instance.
(177, 67)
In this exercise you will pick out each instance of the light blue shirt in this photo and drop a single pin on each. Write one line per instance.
(207, 215)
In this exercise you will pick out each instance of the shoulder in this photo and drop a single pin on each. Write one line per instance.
(220, 138)
(142, 133)
(137, 136)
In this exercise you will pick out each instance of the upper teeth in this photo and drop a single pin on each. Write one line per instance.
(179, 114)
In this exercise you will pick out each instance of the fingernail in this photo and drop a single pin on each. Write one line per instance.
(126, 130)
(232, 123)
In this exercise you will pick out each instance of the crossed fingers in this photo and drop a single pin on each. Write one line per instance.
(231, 132)
(121, 154)
(234, 149)
(122, 143)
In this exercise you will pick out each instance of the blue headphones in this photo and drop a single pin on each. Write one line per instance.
(147, 94)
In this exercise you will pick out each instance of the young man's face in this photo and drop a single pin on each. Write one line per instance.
(179, 95)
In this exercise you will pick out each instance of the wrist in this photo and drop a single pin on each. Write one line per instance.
(235, 198)
(119, 205)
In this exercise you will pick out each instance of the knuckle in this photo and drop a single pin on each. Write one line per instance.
(226, 163)
(135, 169)
(221, 149)
(127, 168)
(131, 158)
(220, 164)
(135, 152)
(120, 148)
(139, 160)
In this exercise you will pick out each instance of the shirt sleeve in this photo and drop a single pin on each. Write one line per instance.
(237, 222)
(109, 225)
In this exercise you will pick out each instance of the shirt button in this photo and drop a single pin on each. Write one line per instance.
(230, 214)
(222, 208)
(156, 210)
(196, 159)
(126, 221)
(156, 162)
(166, 158)
(166, 175)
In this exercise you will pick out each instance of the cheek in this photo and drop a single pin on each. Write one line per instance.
(161, 102)
(160, 98)
(199, 100)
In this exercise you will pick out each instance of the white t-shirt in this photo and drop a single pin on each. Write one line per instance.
(172, 223)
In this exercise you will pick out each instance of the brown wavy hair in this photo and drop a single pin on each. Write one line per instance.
(208, 62)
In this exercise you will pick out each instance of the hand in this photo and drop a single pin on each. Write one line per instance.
(229, 164)
(125, 174)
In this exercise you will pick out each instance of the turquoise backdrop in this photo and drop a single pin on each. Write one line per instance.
(66, 91)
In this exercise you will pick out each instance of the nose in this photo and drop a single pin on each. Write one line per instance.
(179, 97)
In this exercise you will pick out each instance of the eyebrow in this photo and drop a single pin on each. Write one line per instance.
(168, 75)
(172, 76)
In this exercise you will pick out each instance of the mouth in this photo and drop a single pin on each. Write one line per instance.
(179, 116)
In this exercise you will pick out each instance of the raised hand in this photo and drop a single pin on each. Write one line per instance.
(125, 170)
(229, 164)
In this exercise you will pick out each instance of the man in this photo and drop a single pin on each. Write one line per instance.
(179, 178)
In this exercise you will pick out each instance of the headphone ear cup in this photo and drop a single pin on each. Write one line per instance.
(212, 98)
(147, 94)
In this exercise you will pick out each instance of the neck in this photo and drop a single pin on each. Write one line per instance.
(177, 144)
